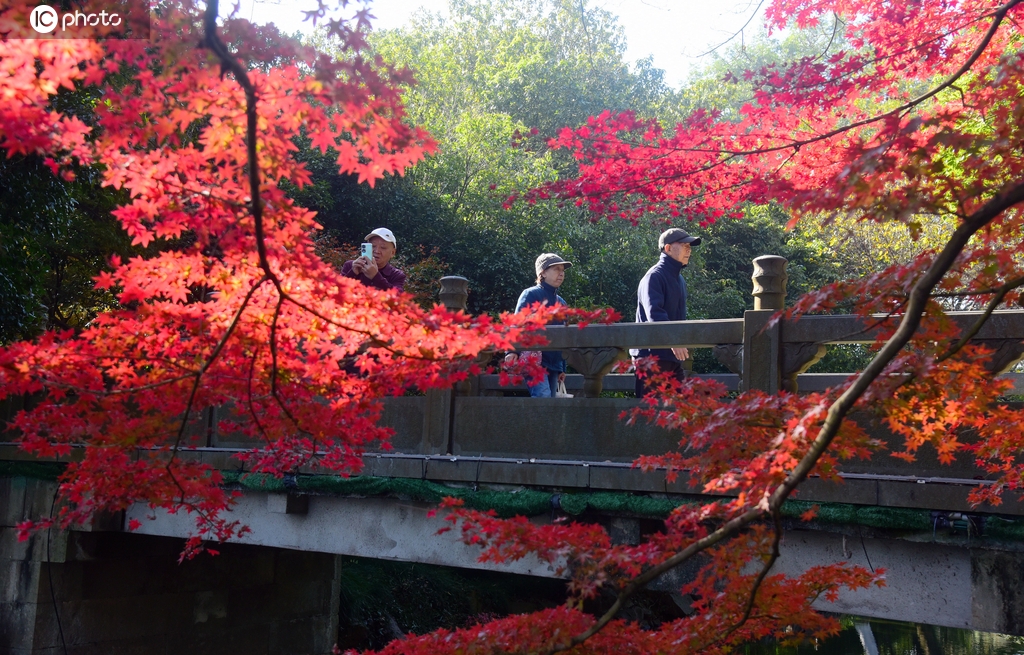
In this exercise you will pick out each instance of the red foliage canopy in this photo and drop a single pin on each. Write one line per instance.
(237, 309)
(922, 115)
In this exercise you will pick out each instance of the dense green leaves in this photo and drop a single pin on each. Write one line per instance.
(55, 236)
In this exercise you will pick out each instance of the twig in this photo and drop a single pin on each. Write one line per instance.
(998, 15)
(992, 304)
(753, 15)
(773, 557)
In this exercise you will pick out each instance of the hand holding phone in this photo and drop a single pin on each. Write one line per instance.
(366, 250)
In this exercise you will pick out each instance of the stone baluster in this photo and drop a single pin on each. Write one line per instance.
(454, 296)
(772, 365)
(594, 364)
(454, 292)
(770, 279)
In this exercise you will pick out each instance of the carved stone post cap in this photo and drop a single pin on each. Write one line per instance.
(770, 282)
(454, 292)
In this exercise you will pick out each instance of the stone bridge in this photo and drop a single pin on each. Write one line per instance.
(947, 563)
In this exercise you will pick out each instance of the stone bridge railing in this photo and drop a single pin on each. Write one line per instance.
(770, 359)
(476, 434)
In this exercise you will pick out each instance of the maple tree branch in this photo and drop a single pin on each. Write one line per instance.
(274, 391)
(211, 39)
(762, 574)
(997, 18)
(882, 320)
(989, 308)
(206, 366)
(375, 341)
(252, 410)
(916, 305)
(969, 292)
(753, 15)
(727, 530)
(835, 31)
(119, 392)
(837, 412)
(864, 63)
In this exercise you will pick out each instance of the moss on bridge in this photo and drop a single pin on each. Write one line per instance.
(534, 502)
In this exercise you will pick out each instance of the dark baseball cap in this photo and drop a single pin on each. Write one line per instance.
(675, 235)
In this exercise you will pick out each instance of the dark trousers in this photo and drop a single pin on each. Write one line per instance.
(676, 369)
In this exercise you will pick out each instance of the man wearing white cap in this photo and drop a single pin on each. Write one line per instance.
(377, 272)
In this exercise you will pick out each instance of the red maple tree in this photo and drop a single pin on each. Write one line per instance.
(246, 313)
(920, 116)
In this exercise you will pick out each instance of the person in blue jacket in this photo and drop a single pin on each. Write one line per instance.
(550, 275)
(661, 296)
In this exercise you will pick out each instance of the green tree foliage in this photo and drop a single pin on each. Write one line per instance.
(55, 235)
(720, 277)
(494, 80)
(722, 85)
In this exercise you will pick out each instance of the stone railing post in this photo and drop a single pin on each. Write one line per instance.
(772, 365)
(762, 346)
(770, 279)
(454, 292)
(454, 295)
(440, 410)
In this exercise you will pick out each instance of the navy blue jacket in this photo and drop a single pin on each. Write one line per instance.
(552, 360)
(661, 296)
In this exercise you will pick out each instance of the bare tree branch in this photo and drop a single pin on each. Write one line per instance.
(992, 304)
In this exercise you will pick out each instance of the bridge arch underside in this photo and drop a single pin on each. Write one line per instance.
(943, 568)
(948, 563)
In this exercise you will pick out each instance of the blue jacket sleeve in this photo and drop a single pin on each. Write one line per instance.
(524, 300)
(682, 281)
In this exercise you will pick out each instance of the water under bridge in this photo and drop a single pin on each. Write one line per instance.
(947, 563)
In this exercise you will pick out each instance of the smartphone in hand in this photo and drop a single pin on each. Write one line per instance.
(366, 250)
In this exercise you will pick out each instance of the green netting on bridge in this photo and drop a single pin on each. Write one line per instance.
(893, 518)
(533, 502)
(49, 471)
(997, 527)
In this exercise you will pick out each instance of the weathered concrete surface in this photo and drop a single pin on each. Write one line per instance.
(1002, 324)
(998, 581)
(22, 563)
(127, 594)
(933, 583)
(381, 528)
(936, 584)
(552, 428)
(124, 593)
(666, 334)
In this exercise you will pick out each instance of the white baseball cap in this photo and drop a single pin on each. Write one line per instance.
(383, 233)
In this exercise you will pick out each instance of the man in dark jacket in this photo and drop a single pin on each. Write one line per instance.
(661, 296)
(377, 272)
